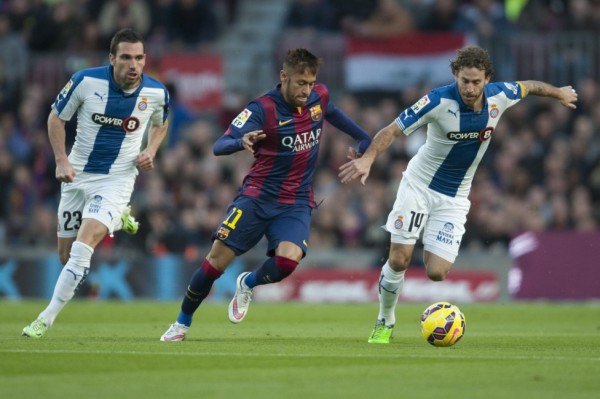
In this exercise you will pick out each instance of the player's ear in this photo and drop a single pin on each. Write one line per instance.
(283, 75)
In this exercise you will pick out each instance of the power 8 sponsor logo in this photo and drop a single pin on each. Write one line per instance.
(129, 124)
(483, 135)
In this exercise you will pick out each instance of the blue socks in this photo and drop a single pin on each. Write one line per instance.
(200, 285)
(273, 270)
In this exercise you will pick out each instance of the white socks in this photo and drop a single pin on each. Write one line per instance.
(72, 274)
(390, 287)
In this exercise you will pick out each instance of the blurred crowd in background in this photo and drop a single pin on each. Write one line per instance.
(541, 172)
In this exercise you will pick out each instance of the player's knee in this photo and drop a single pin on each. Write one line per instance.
(220, 256)
(437, 273)
(436, 266)
(398, 261)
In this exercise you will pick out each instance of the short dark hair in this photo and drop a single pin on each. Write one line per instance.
(299, 60)
(126, 35)
(472, 57)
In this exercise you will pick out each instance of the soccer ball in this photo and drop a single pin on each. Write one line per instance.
(442, 324)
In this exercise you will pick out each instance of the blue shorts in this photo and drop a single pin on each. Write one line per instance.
(249, 219)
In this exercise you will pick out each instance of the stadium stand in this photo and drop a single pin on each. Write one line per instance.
(542, 172)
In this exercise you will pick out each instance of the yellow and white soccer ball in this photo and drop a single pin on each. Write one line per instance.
(442, 324)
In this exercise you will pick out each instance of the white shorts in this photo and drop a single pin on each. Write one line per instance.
(93, 196)
(439, 218)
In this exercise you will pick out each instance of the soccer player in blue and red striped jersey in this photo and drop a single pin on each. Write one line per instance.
(283, 130)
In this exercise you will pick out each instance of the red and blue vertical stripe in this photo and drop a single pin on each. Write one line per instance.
(286, 159)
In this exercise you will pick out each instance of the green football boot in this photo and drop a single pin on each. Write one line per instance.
(130, 225)
(36, 329)
(381, 333)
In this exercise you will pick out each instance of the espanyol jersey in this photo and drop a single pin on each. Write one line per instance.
(457, 137)
(286, 159)
(110, 122)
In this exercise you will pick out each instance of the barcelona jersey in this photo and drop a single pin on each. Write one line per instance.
(286, 159)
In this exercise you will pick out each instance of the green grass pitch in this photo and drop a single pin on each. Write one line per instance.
(112, 350)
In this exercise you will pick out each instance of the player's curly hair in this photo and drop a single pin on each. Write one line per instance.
(299, 60)
(126, 35)
(472, 57)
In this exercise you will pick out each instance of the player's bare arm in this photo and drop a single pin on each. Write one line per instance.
(56, 135)
(156, 135)
(566, 94)
(251, 138)
(360, 167)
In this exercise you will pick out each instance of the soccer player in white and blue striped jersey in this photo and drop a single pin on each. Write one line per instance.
(432, 200)
(115, 105)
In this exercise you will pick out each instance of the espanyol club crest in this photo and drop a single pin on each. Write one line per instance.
(316, 113)
(142, 105)
(398, 223)
(494, 112)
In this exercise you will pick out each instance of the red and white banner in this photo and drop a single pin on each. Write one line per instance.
(198, 79)
(343, 285)
(400, 62)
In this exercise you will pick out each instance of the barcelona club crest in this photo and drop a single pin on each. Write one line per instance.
(316, 113)
(223, 233)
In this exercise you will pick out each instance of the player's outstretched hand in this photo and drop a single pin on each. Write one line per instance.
(568, 97)
(251, 138)
(354, 169)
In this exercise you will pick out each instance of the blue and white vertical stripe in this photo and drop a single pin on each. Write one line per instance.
(457, 136)
(110, 122)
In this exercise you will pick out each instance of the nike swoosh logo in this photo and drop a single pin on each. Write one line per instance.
(281, 123)
(175, 338)
(236, 313)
